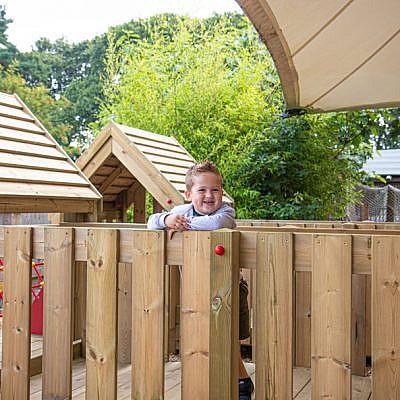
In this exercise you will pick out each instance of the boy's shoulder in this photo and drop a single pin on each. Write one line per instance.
(182, 208)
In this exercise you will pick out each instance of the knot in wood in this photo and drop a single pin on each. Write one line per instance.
(216, 303)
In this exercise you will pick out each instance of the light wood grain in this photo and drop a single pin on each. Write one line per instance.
(385, 317)
(214, 314)
(28, 126)
(57, 314)
(26, 137)
(274, 322)
(148, 268)
(16, 343)
(331, 317)
(139, 205)
(39, 163)
(12, 174)
(96, 160)
(101, 317)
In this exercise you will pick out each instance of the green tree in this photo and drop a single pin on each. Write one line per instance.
(303, 168)
(48, 110)
(7, 50)
(214, 88)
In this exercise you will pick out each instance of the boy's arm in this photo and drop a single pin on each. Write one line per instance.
(223, 218)
(157, 221)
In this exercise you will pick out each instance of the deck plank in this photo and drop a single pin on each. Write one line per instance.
(361, 386)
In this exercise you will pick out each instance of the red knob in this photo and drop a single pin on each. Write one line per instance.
(219, 250)
(169, 201)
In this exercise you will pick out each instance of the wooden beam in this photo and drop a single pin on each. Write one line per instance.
(37, 204)
(109, 180)
(97, 160)
(143, 170)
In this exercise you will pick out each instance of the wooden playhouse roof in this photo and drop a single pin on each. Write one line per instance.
(36, 175)
(121, 158)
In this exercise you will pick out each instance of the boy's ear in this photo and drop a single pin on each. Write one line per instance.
(187, 194)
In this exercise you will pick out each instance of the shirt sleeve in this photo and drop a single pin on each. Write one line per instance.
(223, 218)
(157, 221)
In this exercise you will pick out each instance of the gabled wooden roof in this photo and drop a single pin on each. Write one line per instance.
(36, 175)
(120, 158)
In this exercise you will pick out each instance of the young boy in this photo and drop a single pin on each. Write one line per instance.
(207, 211)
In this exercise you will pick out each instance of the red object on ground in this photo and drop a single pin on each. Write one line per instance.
(219, 250)
(37, 314)
(169, 201)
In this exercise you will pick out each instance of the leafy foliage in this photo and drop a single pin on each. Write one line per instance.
(211, 84)
(214, 88)
(48, 110)
(302, 168)
(7, 49)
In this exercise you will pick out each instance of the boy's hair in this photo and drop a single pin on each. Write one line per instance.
(200, 168)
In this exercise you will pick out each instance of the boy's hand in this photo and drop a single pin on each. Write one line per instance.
(177, 222)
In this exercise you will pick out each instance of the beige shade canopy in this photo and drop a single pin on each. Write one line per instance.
(334, 54)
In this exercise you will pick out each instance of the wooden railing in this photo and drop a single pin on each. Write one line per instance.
(209, 326)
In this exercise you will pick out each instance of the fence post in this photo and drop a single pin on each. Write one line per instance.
(101, 317)
(385, 317)
(331, 316)
(209, 316)
(274, 322)
(148, 262)
(58, 312)
(16, 346)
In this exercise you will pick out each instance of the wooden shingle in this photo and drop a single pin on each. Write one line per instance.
(36, 175)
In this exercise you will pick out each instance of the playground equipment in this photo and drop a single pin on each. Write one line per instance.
(37, 298)
(335, 259)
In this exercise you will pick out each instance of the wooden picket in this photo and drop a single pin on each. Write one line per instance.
(274, 293)
(209, 326)
(147, 355)
(101, 317)
(58, 314)
(331, 317)
(386, 317)
(16, 346)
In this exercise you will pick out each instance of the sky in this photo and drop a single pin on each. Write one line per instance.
(77, 20)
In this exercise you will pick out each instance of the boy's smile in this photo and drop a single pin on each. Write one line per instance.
(205, 193)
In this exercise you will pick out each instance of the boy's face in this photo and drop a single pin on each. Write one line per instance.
(206, 193)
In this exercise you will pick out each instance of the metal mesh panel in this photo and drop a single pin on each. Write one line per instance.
(393, 204)
(378, 204)
(372, 207)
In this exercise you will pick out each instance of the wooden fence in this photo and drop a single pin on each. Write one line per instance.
(209, 326)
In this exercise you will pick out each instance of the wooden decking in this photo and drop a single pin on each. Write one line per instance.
(301, 383)
(301, 379)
